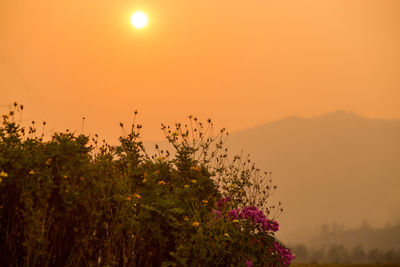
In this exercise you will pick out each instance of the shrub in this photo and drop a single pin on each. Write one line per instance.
(69, 201)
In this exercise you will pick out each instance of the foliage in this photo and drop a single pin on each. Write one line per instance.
(68, 201)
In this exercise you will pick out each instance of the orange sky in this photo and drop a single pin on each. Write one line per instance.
(242, 63)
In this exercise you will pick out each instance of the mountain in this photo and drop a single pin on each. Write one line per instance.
(338, 168)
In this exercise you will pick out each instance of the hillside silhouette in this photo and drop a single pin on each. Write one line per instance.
(337, 168)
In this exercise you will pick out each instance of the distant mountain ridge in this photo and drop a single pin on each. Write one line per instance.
(336, 168)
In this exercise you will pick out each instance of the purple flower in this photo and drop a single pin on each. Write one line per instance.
(222, 202)
(217, 213)
(256, 216)
(286, 256)
(234, 214)
(249, 263)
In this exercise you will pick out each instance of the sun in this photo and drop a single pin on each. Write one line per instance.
(139, 19)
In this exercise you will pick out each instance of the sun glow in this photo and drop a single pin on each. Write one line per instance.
(139, 19)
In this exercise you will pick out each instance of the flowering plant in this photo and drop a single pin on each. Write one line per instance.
(66, 200)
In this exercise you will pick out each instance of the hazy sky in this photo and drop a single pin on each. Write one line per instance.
(242, 63)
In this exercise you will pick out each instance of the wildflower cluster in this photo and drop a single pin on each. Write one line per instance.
(69, 201)
(255, 216)
(285, 255)
(249, 263)
(223, 202)
(256, 226)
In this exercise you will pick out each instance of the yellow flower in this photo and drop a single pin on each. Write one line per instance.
(128, 198)
(194, 181)
(31, 172)
(65, 176)
(235, 221)
(186, 218)
(226, 234)
(196, 224)
(82, 178)
(195, 168)
(144, 180)
(3, 174)
(162, 182)
(137, 196)
(205, 201)
(48, 162)
(186, 186)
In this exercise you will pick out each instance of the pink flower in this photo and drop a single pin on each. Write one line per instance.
(286, 256)
(256, 217)
(222, 202)
(217, 213)
(234, 214)
(249, 263)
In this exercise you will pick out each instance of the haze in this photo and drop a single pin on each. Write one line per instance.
(241, 63)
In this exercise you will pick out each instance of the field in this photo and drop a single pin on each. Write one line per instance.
(344, 265)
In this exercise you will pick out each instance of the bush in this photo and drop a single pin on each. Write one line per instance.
(70, 201)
